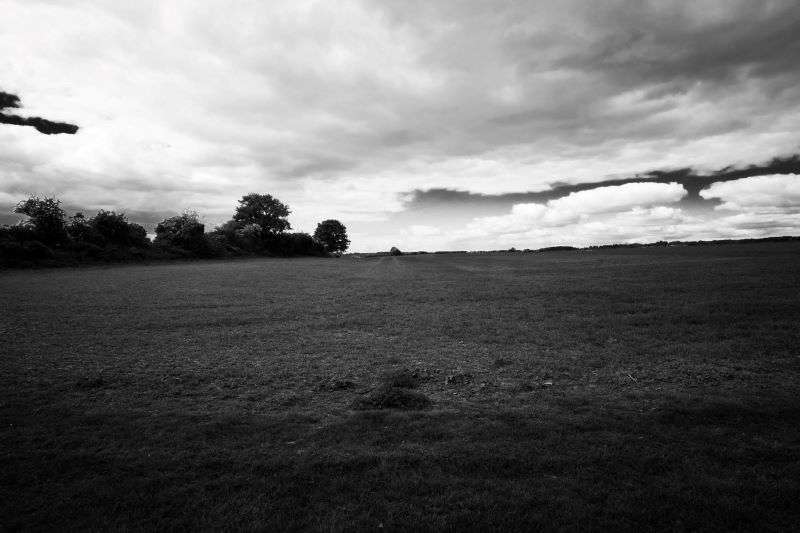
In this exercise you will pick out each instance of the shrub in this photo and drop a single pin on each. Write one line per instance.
(249, 237)
(36, 251)
(115, 229)
(184, 231)
(18, 233)
(80, 229)
(11, 252)
(289, 244)
(395, 251)
(217, 244)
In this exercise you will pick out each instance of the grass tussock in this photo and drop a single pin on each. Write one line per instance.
(385, 397)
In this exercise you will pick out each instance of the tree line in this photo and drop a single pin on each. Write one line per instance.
(259, 226)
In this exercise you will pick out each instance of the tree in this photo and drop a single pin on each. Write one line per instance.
(116, 229)
(46, 217)
(264, 210)
(184, 231)
(333, 235)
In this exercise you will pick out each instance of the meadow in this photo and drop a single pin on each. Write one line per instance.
(574, 390)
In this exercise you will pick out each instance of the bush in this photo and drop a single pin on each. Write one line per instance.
(289, 244)
(395, 251)
(115, 229)
(81, 230)
(36, 251)
(249, 237)
(11, 253)
(18, 234)
(217, 245)
(184, 231)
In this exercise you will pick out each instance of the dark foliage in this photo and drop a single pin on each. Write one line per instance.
(333, 234)
(264, 210)
(109, 236)
(395, 251)
(289, 244)
(115, 229)
(184, 231)
(83, 231)
(46, 217)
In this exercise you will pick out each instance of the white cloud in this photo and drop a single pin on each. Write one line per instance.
(774, 192)
(581, 205)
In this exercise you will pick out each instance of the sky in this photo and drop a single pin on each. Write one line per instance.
(450, 125)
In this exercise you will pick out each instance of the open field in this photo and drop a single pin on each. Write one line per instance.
(620, 389)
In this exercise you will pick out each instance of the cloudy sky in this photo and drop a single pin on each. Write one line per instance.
(422, 125)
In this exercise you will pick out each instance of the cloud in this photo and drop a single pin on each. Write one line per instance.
(774, 193)
(689, 179)
(338, 108)
(42, 125)
(578, 206)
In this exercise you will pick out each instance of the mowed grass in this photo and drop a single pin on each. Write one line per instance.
(620, 389)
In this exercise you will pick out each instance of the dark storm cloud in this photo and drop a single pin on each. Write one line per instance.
(692, 181)
(42, 125)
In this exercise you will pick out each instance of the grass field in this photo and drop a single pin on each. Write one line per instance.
(618, 389)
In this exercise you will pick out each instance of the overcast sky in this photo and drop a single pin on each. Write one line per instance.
(422, 125)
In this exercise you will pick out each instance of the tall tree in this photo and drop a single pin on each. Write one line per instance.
(333, 235)
(264, 210)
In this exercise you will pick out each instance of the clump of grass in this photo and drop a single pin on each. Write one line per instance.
(460, 379)
(404, 379)
(393, 398)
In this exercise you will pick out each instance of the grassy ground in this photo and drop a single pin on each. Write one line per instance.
(619, 389)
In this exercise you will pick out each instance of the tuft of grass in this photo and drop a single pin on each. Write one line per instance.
(460, 379)
(392, 398)
(404, 379)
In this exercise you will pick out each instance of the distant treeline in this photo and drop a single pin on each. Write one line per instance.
(259, 227)
(784, 238)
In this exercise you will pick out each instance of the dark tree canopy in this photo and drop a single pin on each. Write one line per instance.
(46, 218)
(185, 231)
(42, 125)
(264, 210)
(333, 235)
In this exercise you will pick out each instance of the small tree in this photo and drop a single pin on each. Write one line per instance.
(46, 217)
(116, 229)
(264, 210)
(333, 235)
(184, 231)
